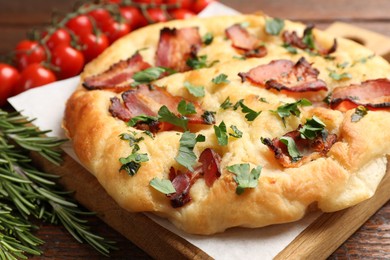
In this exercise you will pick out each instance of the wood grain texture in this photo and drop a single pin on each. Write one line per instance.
(371, 241)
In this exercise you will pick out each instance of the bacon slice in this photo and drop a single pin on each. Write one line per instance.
(284, 75)
(243, 40)
(293, 39)
(374, 94)
(182, 183)
(311, 149)
(119, 76)
(146, 100)
(176, 46)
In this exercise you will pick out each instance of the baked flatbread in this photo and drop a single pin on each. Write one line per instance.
(253, 143)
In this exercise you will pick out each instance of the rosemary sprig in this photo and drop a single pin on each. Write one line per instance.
(28, 192)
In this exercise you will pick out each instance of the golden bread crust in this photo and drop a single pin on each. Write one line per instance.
(348, 174)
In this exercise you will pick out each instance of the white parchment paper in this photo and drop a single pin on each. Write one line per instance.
(46, 104)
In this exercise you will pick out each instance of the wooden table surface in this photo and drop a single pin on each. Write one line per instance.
(371, 241)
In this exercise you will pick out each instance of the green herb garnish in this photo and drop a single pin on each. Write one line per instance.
(196, 91)
(208, 38)
(291, 148)
(226, 104)
(150, 74)
(291, 109)
(243, 177)
(220, 79)
(209, 117)
(142, 118)
(290, 48)
(274, 26)
(164, 186)
(236, 132)
(312, 128)
(186, 155)
(132, 163)
(200, 62)
(250, 114)
(164, 115)
(336, 76)
(185, 108)
(308, 38)
(220, 133)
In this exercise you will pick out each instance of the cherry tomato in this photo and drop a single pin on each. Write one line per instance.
(101, 17)
(9, 77)
(80, 25)
(28, 52)
(115, 30)
(61, 36)
(34, 75)
(157, 15)
(133, 17)
(199, 5)
(93, 45)
(69, 60)
(184, 4)
(182, 14)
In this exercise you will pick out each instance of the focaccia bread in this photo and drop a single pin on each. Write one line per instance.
(239, 134)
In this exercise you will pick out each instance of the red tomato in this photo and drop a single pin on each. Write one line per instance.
(93, 45)
(80, 25)
(9, 77)
(133, 17)
(157, 15)
(199, 5)
(28, 52)
(61, 36)
(101, 16)
(182, 14)
(185, 4)
(69, 60)
(32, 76)
(115, 30)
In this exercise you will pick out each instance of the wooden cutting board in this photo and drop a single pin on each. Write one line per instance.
(319, 240)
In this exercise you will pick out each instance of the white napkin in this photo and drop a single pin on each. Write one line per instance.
(47, 105)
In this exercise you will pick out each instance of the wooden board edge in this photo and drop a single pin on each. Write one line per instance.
(309, 244)
(154, 239)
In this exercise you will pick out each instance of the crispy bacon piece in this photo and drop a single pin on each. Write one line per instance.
(311, 149)
(246, 42)
(176, 46)
(374, 94)
(146, 100)
(119, 76)
(182, 183)
(210, 166)
(284, 75)
(293, 39)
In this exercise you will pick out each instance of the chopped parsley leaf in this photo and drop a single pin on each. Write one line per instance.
(264, 100)
(164, 186)
(291, 148)
(239, 57)
(359, 113)
(312, 128)
(141, 118)
(250, 114)
(236, 132)
(167, 116)
(342, 65)
(186, 108)
(243, 177)
(220, 79)
(226, 104)
(290, 48)
(274, 26)
(208, 38)
(308, 38)
(220, 132)
(186, 155)
(289, 109)
(200, 62)
(196, 91)
(150, 74)
(336, 76)
(132, 163)
(131, 138)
